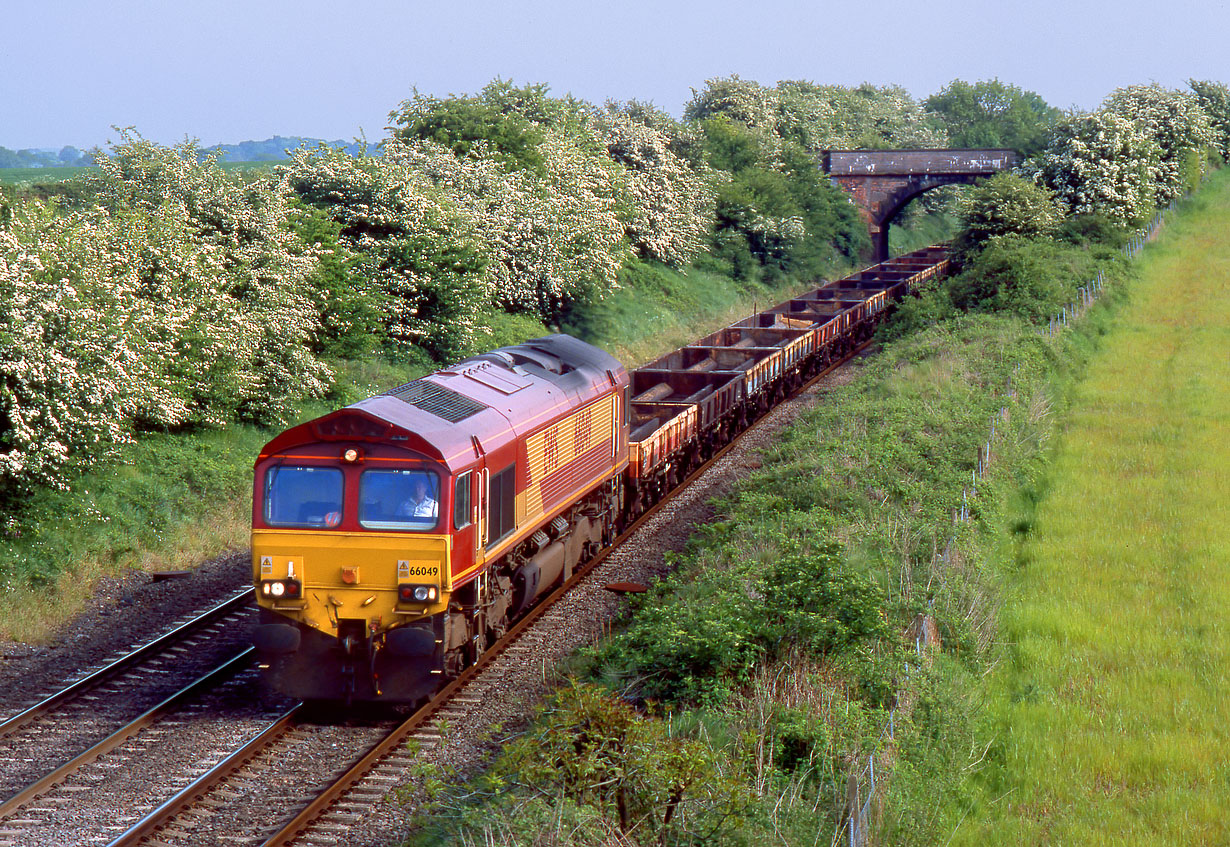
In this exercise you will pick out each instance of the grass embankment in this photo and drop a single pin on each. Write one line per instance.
(175, 500)
(1113, 707)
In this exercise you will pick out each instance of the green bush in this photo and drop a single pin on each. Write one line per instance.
(1030, 278)
(349, 312)
(777, 214)
(990, 113)
(818, 603)
(1005, 204)
(588, 748)
(1092, 229)
(461, 123)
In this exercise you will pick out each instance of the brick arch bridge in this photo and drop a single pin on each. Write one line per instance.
(882, 182)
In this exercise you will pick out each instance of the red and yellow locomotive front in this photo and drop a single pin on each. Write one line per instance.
(394, 538)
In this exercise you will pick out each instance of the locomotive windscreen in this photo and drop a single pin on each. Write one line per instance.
(303, 496)
(405, 500)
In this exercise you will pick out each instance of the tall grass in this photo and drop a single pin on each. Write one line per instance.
(1112, 710)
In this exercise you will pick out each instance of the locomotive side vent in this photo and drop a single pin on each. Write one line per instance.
(439, 401)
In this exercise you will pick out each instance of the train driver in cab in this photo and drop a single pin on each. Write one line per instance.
(420, 504)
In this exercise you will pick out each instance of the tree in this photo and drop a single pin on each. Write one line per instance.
(177, 301)
(1177, 125)
(70, 156)
(672, 201)
(349, 310)
(817, 117)
(232, 280)
(1027, 277)
(1214, 99)
(991, 113)
(459, 123)
(579, 188)
(741, 101)
(685, 140)
(1101, 163)
(419, 253)
(830, 117)
(1006, 204)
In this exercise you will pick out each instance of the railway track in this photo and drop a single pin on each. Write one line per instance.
(45, 744)
(184, 636)
(249, 778)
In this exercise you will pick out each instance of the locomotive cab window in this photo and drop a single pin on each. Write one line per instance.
(402, 500)
(461, 501)
(303, 496)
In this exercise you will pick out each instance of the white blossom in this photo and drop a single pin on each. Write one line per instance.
(1176, 123)
(175, 303)
(1101, 163)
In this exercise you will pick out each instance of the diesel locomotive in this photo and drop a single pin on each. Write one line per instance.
(394, 538)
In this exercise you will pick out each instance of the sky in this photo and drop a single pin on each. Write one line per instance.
(226, 71)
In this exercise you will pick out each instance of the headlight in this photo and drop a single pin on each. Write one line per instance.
(279, 588)
(417, 593)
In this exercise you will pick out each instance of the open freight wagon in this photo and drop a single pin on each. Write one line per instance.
(687, 404)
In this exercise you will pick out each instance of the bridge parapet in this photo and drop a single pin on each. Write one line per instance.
(918, 162)
(882, 182)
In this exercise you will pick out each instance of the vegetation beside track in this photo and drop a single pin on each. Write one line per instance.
(770, 660)
(781, 652)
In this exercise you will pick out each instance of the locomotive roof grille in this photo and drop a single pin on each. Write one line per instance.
(437, 400)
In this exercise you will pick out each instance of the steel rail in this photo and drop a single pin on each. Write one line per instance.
(140, 654)
(115, 739)
(360, 769)
(148, 827)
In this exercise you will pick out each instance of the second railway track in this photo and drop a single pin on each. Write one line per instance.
(45, 744)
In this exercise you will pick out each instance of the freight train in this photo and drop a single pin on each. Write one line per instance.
(394, 539)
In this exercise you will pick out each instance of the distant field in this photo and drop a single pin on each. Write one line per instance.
(1114, 709)
(12, 176)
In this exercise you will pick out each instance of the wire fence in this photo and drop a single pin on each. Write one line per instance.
(854, 827)
(1088, 294)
